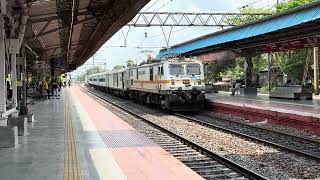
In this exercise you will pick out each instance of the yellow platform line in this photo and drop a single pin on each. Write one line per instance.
(71, 163)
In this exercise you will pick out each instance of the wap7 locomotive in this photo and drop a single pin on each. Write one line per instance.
(175, 84)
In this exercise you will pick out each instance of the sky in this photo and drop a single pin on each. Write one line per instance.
(113, 53)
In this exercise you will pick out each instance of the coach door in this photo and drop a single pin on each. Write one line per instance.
(158, 77)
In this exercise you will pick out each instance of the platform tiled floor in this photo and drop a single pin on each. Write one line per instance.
(105, 146)
(39, 155)
(126, 152)
(299, 107)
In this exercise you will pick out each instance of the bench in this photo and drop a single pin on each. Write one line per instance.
(291, 92)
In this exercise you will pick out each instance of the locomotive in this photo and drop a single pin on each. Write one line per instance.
(175, 84)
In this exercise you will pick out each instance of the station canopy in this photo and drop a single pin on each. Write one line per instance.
(293, 29)
(73, 29)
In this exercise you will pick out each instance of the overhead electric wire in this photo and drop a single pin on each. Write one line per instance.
(151, 5)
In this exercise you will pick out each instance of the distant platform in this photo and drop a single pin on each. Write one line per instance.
(303, 114)
(75, 137)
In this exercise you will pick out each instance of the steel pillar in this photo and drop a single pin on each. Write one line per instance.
(248, 66)
(269, 72)
(316, 70)
(2, 67)
(14, 79)
(24, 108)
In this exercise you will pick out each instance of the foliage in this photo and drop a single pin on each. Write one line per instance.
(130, 63)
(292, 4)
(291, 62)
(94, 70)
(215, 68)
(118, 67)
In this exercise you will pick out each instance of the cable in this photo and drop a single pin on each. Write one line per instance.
(247, 5)
(151, 6)
(164, 5)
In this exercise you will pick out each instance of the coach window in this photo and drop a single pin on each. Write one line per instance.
(151, 74)
(161, 69)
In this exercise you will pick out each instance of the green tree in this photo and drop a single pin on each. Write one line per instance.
(130, 63)
(117, 67)
(94, 70)
(292, 4)
(291, 62)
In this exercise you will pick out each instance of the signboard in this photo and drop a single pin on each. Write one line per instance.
(58, 63)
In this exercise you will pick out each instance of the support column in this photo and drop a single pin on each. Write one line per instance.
(2, 68)
(24, 110)
(269, 72)
(316, 70)
(14, 79)
(248, 70)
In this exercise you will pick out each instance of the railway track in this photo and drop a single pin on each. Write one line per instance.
(305, 147)
(206, 163)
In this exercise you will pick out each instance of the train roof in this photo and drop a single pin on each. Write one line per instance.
(151, 62)
(98, 74)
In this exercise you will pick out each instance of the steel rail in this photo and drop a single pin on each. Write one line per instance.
(232, 165)
(258, 139)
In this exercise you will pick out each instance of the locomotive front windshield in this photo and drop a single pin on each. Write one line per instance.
(175, 69)
(193, 69)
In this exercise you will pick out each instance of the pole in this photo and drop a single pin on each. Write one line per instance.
(269, 72)
(14, 79)
(2, 67)
(316, 70)
(248, 65)
(24, 85)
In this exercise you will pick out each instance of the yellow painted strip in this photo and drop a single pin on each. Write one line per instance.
(71, 163)
(105, 165)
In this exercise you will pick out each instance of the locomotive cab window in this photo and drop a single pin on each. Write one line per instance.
(175, 69)
(193, 69)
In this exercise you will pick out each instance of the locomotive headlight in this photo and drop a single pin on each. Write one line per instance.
(172, 81)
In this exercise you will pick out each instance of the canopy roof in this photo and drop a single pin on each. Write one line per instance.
(281, 31)
(75, 29)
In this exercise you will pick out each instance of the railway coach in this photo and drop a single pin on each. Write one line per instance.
(175, 84)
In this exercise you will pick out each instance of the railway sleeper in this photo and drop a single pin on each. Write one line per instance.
(185, 154)
(219, 170)
(199, 167)
(182, 150)
(231, 175)
(203, 163)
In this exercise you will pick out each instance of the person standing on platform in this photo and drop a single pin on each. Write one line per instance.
(60, 86)
(55, 88)
(46, 87)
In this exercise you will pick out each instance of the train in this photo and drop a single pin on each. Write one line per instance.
(175, 84)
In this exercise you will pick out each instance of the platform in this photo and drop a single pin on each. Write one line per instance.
(303, 114)
(74, 137)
